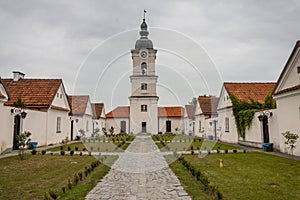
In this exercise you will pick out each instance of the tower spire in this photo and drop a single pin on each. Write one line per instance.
(144, 15)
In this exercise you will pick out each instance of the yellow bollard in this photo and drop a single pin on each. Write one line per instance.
(221, 163)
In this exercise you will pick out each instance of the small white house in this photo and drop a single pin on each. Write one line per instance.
(81, 115)
(226, 122)
(206, 109)
(47, 110)
(189, 120)
(287, 96)
(98, 117)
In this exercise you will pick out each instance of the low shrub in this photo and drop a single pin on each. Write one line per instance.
(43, 152)
(76, 148)
(226, 151)
(234, 151)
(71, 152)
(80, 153)
(53, 194)
(33, 151)
(69, 148)
(62, 152)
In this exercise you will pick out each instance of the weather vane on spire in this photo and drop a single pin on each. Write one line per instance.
(144, 14)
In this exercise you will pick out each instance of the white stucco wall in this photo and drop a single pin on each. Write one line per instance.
(176, 122)
(52, 136)
(116, 123)
(6, 127)
(288, 110)
(230, 136)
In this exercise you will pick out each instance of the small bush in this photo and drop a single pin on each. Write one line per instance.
(69, 148)
(244, 151)
(76, 179)
(226, 151)
(43, 152)
(76, 148)
(53, 194)
(80, 153)
(62, 152)
(51, 154)
(84, 149)
(71, 152)
(33, 151)
(61, 147)
(70, 184)
(192, 152)
(80, 175)
(234, 151)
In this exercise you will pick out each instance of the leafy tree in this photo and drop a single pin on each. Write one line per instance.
(193, 101)
(111, 130)
(104, 131)
(291, 139)
(22, 142)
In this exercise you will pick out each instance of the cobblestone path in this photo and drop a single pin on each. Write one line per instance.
(139, 173)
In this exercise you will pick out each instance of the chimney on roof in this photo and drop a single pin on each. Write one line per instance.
(18, 75)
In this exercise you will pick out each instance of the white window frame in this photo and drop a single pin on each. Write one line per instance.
(226, 124)
(58, 125)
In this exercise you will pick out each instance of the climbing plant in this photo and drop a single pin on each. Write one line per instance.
(244, 111)
(19, 103)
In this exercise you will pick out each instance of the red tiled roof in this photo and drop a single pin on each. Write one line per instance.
(35, 93)
(255, 91)
(190, 110)
(97, 109)
(174, 111)
(119, 112)
(208, 105)
(2, 96)
(275, 90)
(78, 104)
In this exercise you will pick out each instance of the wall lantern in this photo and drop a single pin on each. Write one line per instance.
(19, 111)
(264, 115)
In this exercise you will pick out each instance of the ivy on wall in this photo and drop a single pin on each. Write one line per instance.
(244, 111)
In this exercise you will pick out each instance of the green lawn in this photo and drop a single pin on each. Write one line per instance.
(31, 178)
(249, 175)
(93, 146)
(202, 145)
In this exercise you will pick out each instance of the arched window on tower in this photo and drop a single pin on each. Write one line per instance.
(144, 68)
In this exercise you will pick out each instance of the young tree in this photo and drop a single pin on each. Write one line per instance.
(111, 130)
(22, 142)
(291, 139)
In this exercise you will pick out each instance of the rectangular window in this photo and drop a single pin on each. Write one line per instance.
(87, 125)
(144, 108)
(144, 86)
(57, 95)
(226, 124)
(298, 70)
(58, 125)
(200, 127)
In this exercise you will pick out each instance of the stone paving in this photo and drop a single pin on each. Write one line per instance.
(141, 172)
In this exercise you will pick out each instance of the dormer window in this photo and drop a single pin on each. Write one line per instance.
(144, 68)
(57, 95)
(298, 70)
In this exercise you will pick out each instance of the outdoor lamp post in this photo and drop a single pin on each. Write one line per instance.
(264, 115)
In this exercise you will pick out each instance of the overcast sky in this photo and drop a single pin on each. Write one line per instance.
(200, 43)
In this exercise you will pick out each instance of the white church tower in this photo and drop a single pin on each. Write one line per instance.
(143, 99)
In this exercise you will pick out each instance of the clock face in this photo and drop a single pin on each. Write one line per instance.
(144, 54)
